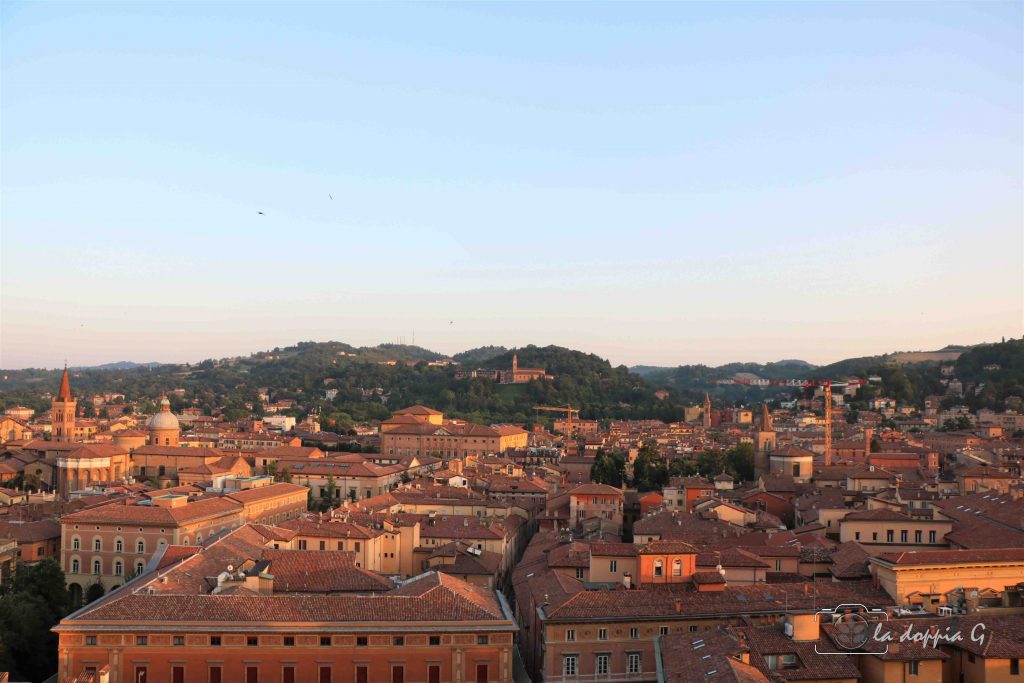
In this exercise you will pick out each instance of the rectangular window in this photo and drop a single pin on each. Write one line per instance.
(931, 537)
(570, 634)
(325, 674)
(140, 640)
(482, 640)
(362, 641)
(252, 674)
(1015, 667)
(288, 674)
(634, 633)
(215, 641)
(912, 667)
(917, 536)
(398, 641)
(435, 640)
(903, 536)
(569, 667)
(289, 641)
(613, 566)
(602, 634)
(856, 535)
(874, 535)
(633, 663)
(215, 676)
(177, 674)
(663, 631)
(179, 641)
(602, 665)
(579, 573)
(693, 628)
(252, 641)
(888, 535)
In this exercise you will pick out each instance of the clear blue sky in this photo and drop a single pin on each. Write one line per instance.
(656, 183)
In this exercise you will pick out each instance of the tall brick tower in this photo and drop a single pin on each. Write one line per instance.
(707, 411)
(62, 412)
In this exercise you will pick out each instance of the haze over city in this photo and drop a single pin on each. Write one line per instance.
(654, 183)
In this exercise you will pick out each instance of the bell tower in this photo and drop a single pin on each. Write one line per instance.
(62, 412)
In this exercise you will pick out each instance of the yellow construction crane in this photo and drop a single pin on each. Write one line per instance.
(567, 409)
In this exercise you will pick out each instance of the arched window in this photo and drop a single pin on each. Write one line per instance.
(199, 539)
(76, 543)
(118, 568)
(139, 567)
(96, 567)
(659, 568)
(140, 546)
(119, 545)
(97, 544)
(75, 566)
(677, 567)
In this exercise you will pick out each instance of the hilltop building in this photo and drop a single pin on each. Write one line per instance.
(518, 375)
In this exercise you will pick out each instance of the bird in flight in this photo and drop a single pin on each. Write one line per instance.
(331, 196)
(261, 213)
(451, 322)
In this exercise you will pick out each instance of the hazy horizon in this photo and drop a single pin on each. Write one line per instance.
(656, 183)
(446, 352)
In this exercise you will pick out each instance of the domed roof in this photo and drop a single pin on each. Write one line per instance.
(164, 419)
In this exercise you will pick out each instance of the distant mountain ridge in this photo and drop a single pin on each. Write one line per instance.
(118, 365)
(371, 381)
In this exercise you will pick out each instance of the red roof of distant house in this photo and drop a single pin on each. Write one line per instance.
(417, 410)
(595, 490)
(954, 556)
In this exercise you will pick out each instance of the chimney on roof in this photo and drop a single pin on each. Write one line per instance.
(679, 606)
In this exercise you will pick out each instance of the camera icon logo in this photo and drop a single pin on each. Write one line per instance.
(854, 628)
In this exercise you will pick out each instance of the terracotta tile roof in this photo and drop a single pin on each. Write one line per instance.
(662, 601)
(324, 571)
(96, 450)
(329, 528)
(850, 561)
(418, 410)
(595, 490)
(154, 514)
(441, 599)
(877, 515)
(30, 532)
(791, 451)
(674, 525)
(666, 547)
(953, 557)
(770, 640)
(706, 656)
(613, 549)
(731, 557)
(265, 492)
